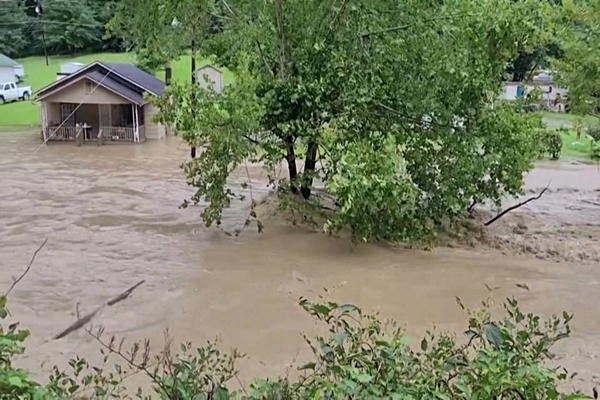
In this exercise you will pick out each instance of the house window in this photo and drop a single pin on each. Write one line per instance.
(67, 114)
(89, 87)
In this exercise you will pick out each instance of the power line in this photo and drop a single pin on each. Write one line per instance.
(98, 25)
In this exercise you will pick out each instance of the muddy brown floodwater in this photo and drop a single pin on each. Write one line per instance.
(112, 218)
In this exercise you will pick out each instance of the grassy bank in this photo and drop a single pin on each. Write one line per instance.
(571, 118)
(25, 114)
(574, 148)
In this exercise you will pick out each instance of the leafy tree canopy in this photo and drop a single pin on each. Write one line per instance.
(390, 104)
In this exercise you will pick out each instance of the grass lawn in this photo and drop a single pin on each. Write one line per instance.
(576, 149)
(572, 118)
(26, 114)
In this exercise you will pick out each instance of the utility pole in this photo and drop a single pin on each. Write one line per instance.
(44, 40)
(34, 9)
(168, 78)
(193, 68)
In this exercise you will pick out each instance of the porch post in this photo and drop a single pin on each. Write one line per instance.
(44, 121)
(136, 124)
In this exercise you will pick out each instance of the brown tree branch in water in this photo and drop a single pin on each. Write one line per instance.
(471, 207)
(17, 280)
(124, 295)
(512, 208)
(87, 318)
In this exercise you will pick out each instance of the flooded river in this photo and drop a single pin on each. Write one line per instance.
(111, 217)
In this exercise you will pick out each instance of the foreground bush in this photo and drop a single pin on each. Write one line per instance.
(553, 143)
(362, 357)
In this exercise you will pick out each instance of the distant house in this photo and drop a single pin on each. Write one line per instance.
(552, 95)
(10, 70)
(102, 101)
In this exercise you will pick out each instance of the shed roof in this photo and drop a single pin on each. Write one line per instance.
(209, 66)
(7, 62)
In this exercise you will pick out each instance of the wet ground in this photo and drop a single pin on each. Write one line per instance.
(112, 219)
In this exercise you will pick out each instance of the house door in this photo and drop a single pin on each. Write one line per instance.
(67, 114)
(104, 115)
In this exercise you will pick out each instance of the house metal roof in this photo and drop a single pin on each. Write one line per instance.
(126, 80)
(141, 78)
(111, 84)
(7, 62)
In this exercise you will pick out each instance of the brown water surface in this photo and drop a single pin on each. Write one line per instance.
(112, 218)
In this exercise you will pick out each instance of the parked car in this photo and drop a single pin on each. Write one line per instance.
(9, 91)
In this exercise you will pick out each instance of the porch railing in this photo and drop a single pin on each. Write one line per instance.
(61, 133)
(122, 133)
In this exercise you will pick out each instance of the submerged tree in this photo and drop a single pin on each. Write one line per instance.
(390, 105)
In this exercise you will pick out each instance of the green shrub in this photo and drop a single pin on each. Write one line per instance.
(595, 152)
(594, 132)
(553, 144)
(14, 383)
(361, 357)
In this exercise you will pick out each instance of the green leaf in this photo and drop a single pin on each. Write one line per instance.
(493, 334)
(364, 378)
(424, 344)
(348, 308)
(15, 381)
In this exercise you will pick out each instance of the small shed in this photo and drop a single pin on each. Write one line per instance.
(208, 76)
(10, 70)
(68, 68)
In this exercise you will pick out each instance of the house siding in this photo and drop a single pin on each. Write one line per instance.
(76, 93)
(52, 113)
(7, 74)
(154, 130)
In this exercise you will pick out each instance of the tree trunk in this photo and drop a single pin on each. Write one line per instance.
(193, 76)
(291, 159)
(309, 169)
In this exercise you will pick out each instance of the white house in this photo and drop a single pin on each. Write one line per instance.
(543, 81)
(210, 76)
(10, 70)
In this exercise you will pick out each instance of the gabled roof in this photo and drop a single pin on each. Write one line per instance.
(209, 66)
(143, 79)
(125, 80)
(7, 62)
(114, 86)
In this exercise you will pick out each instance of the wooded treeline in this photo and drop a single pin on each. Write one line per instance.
(68, 26)
(80, 26)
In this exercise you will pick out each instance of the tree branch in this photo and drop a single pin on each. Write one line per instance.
(83, 321)
(521, 204)
(471, 206)
(16, 281)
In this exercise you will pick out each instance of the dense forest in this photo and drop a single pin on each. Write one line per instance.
(65, 26)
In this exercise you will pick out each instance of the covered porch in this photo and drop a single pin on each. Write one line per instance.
(93, 122)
